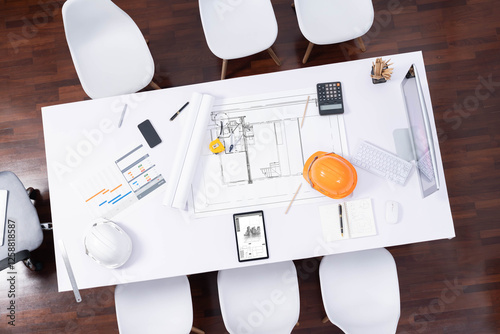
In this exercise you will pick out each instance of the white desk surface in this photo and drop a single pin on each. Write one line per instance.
(168, 242)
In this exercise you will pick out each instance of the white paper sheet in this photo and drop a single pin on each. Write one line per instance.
(265, 151)
(116, 186)
(357, 220)
(188, 153)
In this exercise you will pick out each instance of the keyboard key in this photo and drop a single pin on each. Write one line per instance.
(382, 163)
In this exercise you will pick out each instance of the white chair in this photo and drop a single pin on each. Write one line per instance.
(260, 299)
(333, 21)
(154, 307)
(109, 52)
(237, 29)
(360, 291)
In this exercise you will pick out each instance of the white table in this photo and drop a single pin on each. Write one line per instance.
(168, 242)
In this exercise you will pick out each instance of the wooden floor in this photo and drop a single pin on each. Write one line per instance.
(448, 286)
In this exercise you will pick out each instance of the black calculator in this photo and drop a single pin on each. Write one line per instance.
(330, 98)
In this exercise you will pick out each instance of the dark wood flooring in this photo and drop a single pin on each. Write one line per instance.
(448, 286)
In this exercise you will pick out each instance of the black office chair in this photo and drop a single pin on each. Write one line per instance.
(23, 232)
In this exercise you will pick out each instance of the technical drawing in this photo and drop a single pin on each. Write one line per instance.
(265, 149)
(238, 137)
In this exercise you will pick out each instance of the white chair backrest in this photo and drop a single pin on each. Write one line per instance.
(108, 50)
(236, 29)
(260, 299)
(361, 291)
(333, 21)
(158, 306)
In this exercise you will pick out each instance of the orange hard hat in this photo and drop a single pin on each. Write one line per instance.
(330, 174)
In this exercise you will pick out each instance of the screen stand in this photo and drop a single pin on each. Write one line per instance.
(403, 145)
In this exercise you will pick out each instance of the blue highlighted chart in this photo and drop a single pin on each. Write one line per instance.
(117, 186)
(105, 192)
(140, 172)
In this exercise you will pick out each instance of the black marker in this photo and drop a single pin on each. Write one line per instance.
(177, 113)
(341, 225)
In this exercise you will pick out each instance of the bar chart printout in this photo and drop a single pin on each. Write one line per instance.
(140, 172)
(119, 185)
(106, 192)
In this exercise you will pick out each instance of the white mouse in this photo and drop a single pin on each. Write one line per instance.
(391, 212)
(107, 244)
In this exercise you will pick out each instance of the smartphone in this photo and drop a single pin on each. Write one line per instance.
(251, 240)
(149, 133)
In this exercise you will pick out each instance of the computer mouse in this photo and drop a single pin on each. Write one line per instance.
(108, 244)
(391, 212)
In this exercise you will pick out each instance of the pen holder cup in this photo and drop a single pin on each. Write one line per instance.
(377, 81)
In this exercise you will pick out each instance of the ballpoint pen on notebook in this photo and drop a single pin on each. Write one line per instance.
(341, 224)
(179, 111)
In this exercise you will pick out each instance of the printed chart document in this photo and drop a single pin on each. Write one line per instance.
(357, 220)
(118, 185)
(265, 149)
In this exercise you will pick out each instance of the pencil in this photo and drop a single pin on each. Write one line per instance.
(304, 116)
(293, 198)
(123, 115)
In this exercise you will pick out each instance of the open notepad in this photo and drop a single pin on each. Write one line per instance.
(357, 220)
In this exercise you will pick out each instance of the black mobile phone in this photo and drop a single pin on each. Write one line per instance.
(251, 240)
(149, 133)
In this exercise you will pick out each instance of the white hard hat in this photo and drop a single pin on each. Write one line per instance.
(107, 244)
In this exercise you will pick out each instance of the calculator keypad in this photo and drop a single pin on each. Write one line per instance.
(330, 98)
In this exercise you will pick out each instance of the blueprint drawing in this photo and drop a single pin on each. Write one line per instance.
(265, 149)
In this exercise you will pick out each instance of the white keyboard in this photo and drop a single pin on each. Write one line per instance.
(382, 163)
(425, 166)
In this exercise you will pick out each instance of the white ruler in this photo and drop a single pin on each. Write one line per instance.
(70, 271)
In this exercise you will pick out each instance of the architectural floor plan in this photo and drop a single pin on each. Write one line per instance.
(265, 149)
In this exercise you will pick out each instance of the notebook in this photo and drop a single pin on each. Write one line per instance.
(357, 220)
(3, 213)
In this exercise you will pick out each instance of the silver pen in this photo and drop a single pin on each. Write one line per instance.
(122, 116)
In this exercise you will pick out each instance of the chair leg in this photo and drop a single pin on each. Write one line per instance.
(224, 69)
(361, 44)
(325, 320)
(154, 85)
(32, 265)
(197, 330)
(308, 52)
(46, 226)
(274, 56)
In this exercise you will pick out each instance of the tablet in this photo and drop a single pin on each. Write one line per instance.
(251, 240)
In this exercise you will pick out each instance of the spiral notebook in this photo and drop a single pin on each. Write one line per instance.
(357, 220)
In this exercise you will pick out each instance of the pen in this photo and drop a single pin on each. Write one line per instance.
(178, 112)
(123, 115)
(341, 225)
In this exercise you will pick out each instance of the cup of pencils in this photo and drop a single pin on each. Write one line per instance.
(380, 71)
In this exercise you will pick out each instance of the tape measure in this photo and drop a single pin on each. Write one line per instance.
(216, 146)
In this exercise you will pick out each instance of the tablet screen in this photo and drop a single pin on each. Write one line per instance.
(250, 236)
